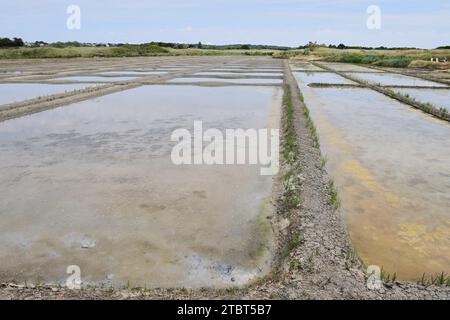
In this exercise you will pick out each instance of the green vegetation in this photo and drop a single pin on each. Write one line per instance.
(383, 57)
(387, 277)
(396, 57)
(290, 148)
(14, 49)
(310, 123)
(441, 113)
(295, 242)
(11, 43)
(334, 197)
(377, 60)
(83, 52)
(323, 162)
(441, 279)
(352, 258)
(290, 154)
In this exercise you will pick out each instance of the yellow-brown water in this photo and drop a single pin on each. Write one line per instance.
(391, 164)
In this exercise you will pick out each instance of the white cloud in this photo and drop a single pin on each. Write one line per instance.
(187, 29)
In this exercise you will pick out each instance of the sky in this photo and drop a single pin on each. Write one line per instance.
(413, 23)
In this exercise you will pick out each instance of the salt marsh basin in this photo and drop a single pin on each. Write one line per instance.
(92, 184)
(390, 163)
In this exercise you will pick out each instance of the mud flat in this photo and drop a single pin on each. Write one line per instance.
(390, 164)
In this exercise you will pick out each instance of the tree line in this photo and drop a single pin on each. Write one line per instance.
(11, 43)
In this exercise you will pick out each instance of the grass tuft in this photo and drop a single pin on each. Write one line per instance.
(442, 280)
(310, 123)
(334, 197)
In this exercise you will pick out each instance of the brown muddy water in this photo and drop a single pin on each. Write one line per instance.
(15, 92)
(391, 165)
(92, 184)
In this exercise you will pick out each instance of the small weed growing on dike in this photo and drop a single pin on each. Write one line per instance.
(351, 258)
(300, 96)
(291, 154)
(441, 113)
(334, 197)
(323, 162)
(295, 201)
(290, 150)
(294, 243)
(310, 123)
(386, 277)
(441, 279)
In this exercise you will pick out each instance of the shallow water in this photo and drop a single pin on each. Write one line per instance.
(348, 67)
(242, 74)
(305, 67)
(9, 72)
(392, 79)
(237, 81)
(391, 164)
(16, 92)
(439, 98)
(92, 184)
(321, 77)
(94, 78)
(245, 69)
(133, 73)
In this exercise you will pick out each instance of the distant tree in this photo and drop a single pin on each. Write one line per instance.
(341, 46)
(245, 47)
(200, 45)
(8, 43)
(18, 42)
(312, 46)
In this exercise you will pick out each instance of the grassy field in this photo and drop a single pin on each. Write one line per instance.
(382, 58)
(81, 52)
(128, 51)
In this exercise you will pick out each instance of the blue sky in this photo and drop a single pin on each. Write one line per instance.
(416, 23)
